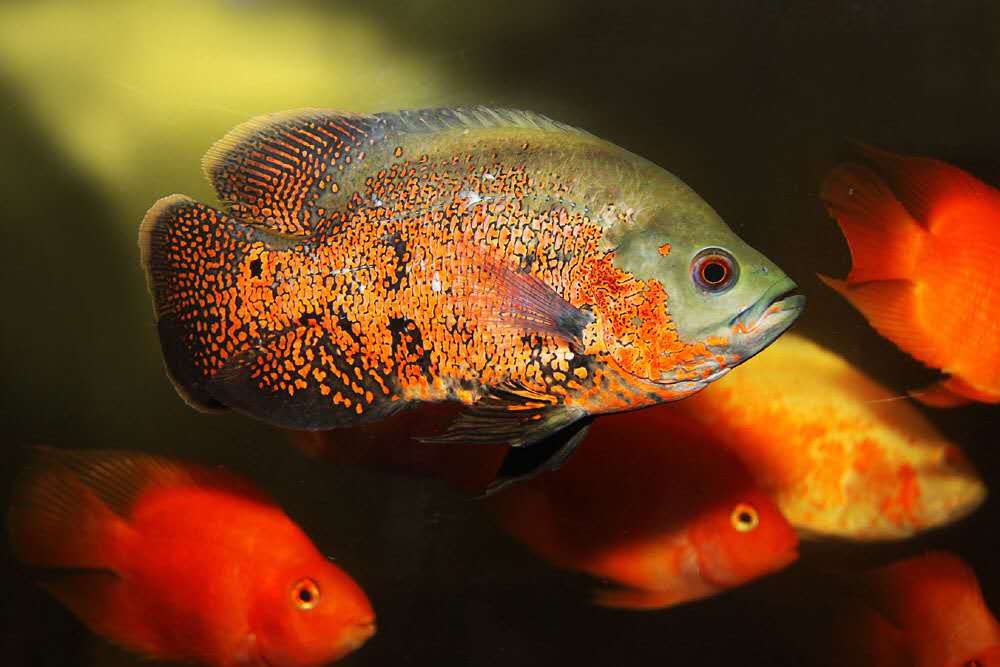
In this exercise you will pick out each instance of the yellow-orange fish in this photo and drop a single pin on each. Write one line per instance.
(839, 457)
(531, 271)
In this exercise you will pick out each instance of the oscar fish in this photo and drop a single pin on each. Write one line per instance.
(179, 562)
(362, 264)
(923, 238)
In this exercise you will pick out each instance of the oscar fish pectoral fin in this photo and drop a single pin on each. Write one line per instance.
(550, 453)
(300, 378)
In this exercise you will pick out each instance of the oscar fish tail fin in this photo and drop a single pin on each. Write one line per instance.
(189, 252)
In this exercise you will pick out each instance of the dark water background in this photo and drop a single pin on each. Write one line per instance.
(751, 103)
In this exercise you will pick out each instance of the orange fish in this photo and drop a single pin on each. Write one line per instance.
(923, 239)
(926, 611)
(528, 270)
(180, 562)
(831, 446)
(655, 506)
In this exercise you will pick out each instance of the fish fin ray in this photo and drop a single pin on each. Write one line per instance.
(550, 453)
(316, 393)
(508, 414)
(278, 169)
(883, 238)
(507, 297)
(67, 509)
(890, 306)
(924, 185)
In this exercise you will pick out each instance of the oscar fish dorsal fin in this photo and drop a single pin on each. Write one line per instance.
(275, 170)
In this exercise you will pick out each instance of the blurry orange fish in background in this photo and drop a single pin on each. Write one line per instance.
(650, 501)
(839, 456)
(925, 611)
(181, 562)
(660, 509)
(924, 239)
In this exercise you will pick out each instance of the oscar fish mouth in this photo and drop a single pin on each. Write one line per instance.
(760, 324)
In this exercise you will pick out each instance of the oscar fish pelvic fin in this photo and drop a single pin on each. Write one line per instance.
(550, 453)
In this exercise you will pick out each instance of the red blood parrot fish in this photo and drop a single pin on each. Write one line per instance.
(925, 611)
(528, 270)
(180, 562)
(923, 239)
(654, 505)
(652, 502)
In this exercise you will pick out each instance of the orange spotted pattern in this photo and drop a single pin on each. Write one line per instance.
(442, 277)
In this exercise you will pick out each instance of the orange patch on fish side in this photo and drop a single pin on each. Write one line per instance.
(664, 249)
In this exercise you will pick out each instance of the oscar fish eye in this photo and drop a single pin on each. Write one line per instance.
(305, 594)
(714, 270)
(744, 517)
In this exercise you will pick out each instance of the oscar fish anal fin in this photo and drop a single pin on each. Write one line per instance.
(301, 378)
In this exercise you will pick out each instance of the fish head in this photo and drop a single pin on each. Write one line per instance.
(742, 537)
(689, 299)
(310, 613)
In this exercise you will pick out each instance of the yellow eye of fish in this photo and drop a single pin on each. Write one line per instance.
(305, 594)
(714, 270)
(744, 518)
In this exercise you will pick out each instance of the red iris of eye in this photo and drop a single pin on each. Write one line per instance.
(714, 271)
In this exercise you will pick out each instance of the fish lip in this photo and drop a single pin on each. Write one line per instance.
(760, 324)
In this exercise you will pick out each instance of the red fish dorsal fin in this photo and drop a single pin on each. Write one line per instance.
(284, 171)
(926, 186)
(69, 507)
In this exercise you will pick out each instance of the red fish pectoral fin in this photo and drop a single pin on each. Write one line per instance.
(952, 392)
(890, 306)
(883, 238)
(925, 186)
(636, 600)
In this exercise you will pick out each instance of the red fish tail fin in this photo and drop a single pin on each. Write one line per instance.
(180, 241)
(890, 306)
(883, 237)
(56, 521)
(952, 392)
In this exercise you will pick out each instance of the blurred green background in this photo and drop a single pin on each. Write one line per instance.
(107, 106)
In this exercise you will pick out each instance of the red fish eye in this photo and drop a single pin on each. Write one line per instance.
(744, 517)
(714, 270)
(305, 594)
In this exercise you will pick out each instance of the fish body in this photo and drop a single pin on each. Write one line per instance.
(526, 269)
(179, 562)
(840, 457)
(925, 611)
(923, 239)
(658, 508)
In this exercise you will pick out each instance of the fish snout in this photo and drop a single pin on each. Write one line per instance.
(760, 324)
